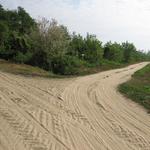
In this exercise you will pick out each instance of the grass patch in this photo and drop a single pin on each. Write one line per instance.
(103, 66)
(138, 88)
(22, 69)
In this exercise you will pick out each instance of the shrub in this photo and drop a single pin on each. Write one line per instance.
(22, 58)
(66, 65)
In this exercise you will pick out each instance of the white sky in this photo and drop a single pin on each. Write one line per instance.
(115, 20)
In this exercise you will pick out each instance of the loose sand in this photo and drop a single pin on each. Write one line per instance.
(84, 113)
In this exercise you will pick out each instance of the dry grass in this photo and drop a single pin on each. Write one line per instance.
(23, 69)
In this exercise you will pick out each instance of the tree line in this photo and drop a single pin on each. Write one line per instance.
(50, 46)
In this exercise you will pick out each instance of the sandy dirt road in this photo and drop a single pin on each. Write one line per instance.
(84, 113)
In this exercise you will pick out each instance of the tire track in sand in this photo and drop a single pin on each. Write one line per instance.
(86, 113)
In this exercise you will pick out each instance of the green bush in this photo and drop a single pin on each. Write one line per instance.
(66, 65)
(22, 58)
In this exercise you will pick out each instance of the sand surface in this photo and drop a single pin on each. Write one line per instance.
(83, 113)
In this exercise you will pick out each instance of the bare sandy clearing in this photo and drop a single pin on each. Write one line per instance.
(84, 113)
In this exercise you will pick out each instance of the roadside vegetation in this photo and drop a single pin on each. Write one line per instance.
(23, 69)
(138, 88)
(49, 46)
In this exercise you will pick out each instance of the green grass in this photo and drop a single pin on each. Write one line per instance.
(138, 88)
(103, 66)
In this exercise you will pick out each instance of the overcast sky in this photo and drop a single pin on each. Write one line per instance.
(115, 20)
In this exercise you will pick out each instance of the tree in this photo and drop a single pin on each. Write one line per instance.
(128, 51)
(77, 46)
(50, 40)
(24, 21)
(15, 27)
(93, 49)
(113, 52)
(88, 48)
(3, 33)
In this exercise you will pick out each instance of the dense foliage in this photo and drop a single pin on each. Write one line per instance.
(48, 45)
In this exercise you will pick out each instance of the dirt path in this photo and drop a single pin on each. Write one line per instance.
(84, 113)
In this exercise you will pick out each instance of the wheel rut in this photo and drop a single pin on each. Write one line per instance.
(84, 113)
